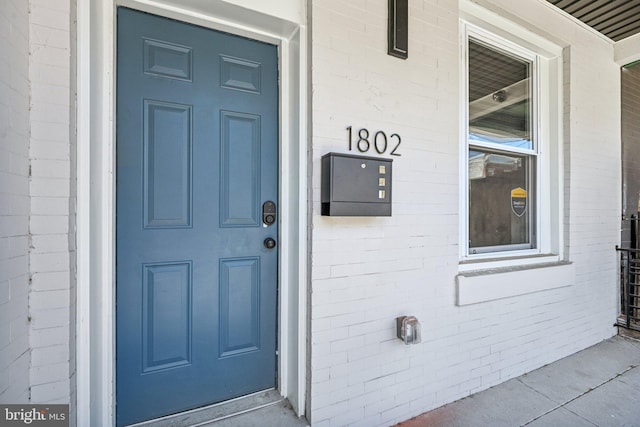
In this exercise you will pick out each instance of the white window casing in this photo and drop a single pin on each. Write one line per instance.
(504, 140)
(499, 273)
(546, 60)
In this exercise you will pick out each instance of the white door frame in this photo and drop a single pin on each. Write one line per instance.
(95, 233)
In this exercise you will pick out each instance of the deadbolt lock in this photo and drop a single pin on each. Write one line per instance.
(269, 213)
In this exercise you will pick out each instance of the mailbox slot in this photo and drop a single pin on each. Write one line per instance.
(355, 185)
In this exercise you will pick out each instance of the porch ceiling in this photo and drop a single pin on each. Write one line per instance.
(616, 19)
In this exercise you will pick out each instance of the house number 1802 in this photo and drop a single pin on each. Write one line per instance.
(380, 142)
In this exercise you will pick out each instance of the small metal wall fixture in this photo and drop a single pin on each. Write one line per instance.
(408, 329)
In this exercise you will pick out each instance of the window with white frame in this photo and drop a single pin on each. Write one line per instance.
(510, 123)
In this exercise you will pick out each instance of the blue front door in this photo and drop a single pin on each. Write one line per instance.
(196, 273)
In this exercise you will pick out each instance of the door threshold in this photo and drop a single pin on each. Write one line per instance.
(217, 412)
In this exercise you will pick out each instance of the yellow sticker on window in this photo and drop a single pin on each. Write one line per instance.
(519, 201)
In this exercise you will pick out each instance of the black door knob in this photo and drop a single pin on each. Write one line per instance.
(269, 243)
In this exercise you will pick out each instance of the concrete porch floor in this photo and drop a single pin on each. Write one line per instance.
(276, 415)
(598, 386)
(262, 409)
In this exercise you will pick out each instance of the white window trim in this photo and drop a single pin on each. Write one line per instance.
(471, 31)
(505, 34)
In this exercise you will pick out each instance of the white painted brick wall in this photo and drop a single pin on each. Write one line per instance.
(50, 189)
(367, 271)
(14, 201)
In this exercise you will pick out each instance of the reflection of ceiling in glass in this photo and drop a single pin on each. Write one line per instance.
(492, 70)
(511, 119)
(616, 19)
(499, 90)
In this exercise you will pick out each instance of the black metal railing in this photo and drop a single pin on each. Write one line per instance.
(630, 273)
(629, 288)
(631, 231)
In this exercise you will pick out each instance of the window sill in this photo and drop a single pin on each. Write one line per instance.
(484, 263)
(488, 284)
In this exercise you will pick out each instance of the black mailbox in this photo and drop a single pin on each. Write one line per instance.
(355, 185)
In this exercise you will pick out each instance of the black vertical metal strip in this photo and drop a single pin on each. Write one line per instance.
(398, 28)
